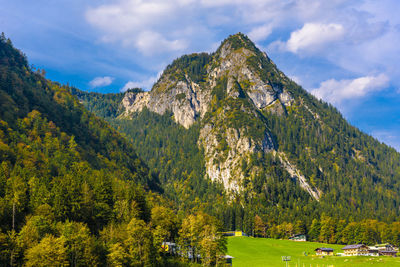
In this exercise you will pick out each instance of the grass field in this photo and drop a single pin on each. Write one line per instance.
(253, 252)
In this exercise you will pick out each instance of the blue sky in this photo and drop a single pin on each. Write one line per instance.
(346, 52)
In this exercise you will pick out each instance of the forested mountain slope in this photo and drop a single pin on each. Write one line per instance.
(270, 148)
(73, 192)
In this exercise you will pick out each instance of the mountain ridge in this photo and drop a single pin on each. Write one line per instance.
(269, 143)
(236, 69)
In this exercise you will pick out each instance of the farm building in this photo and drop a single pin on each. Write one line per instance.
(385, 252)
(386, 246)
(373, 252)
(324, 251)
(234, 233)
(298, 237)
(355, 250)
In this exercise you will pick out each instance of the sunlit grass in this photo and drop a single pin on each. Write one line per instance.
(254, 252)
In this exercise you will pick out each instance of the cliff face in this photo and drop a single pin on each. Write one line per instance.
(184, 98)
(190, 100)
(226, 92)
(241, 65)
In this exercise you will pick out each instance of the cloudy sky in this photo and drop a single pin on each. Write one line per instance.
(346, 52)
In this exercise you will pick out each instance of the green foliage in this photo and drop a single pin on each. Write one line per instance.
(80, 244)
(166, 147)
(104, 105)
(25, 91)
(359, 177)
(201, 235)
(193, 65)
(180, 96)
(51, 251)
(130, 90)
(236, 113)
(67, 179)
(357, 174)
(238, 41)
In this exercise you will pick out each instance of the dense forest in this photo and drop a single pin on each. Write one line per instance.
(357, 175)
(173, 146)
(73, 191)
(103, 105)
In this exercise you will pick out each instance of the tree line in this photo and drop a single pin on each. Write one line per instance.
(332, 230)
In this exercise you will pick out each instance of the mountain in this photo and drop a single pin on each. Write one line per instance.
(229, 130)
(73, 191)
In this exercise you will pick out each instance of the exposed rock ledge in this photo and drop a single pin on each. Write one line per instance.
(295, 174)
(228, 170)
(184, 98)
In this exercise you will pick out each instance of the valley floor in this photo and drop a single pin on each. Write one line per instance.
(248, 251)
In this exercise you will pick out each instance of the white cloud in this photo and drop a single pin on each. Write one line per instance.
(153, 43)
(127, 15)
(313, 36)
(336, 92)
(101, 81)
(162, 26)
(217, 3)
(143, 84)
(131, 85)
(260, 33)
(174, 25)
(356, 36)
(296, 79)
(138, 23)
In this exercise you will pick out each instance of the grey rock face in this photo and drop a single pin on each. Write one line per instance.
(134, 102)
(226, 149)
(227, 169)
(184, 98)
(233, 65)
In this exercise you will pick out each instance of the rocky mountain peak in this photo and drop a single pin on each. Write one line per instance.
(245, 65)
(227, 92)
(237, 41)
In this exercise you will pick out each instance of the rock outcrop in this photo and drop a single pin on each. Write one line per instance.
(227, 93)
(184, 98)
(295, 174)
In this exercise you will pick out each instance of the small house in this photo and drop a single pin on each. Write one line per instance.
(386, 249)
(298, 237)
(228, 260)
(392, 253)
(386, 246)
(324, 251)
(355, 250)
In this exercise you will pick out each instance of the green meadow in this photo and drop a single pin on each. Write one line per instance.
(253, 252)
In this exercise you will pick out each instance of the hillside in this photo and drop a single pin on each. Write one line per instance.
(229, 132)
(73, 191)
